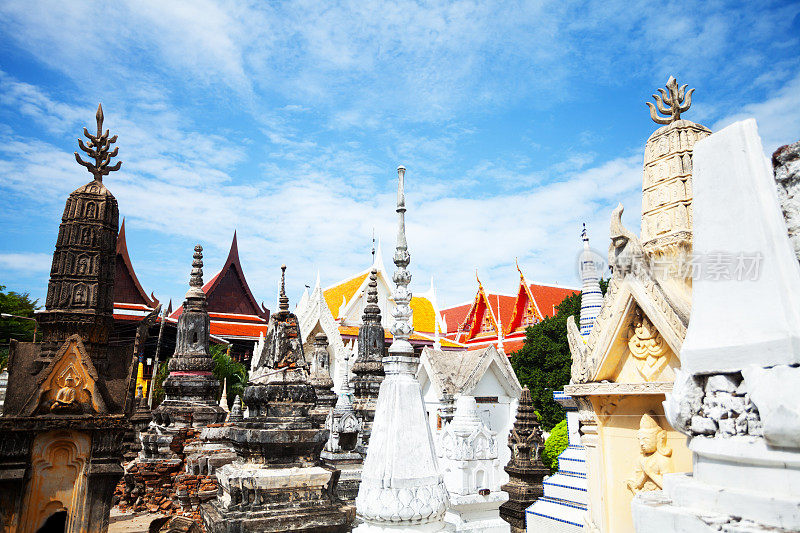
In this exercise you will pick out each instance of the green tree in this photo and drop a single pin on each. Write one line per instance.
(543, 363)
(230, 371)
(158, 386)
(554, 445)
(20, 304)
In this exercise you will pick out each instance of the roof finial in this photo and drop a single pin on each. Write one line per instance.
(98, 149)
(672, 102)
(283, 300)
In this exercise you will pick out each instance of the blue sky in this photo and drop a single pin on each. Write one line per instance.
(517, 121)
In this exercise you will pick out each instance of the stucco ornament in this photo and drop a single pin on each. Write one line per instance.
(625, 251)
(655, 459)
(646, 346)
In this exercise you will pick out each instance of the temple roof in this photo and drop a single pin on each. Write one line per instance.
(232, 308)
(479, 321)
(127, 289)
(343, 292)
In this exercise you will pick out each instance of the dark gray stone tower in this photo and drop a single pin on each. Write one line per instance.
(368, 368)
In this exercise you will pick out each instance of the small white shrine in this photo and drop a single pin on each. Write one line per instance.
(468, 458)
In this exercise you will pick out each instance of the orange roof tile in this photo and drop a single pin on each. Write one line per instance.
(548, 297)
(346, 289)
(352, 331)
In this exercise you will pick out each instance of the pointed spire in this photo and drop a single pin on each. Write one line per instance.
(196, 278)
(591, 295)
(372, 313)
(402, 327)
(121, 242)
(283, 300)
(317, 283)
(237, 414)
(377, 262)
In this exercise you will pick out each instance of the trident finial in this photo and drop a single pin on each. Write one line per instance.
(671, 103)
(283, 300)
(98, 149)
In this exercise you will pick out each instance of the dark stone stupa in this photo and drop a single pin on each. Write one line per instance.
(69, 398)
(368, 367)
(278, 483)
(525, 469)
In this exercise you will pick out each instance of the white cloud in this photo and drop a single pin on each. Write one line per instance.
(28, 262)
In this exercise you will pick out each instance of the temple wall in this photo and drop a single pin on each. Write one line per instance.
(619, 451)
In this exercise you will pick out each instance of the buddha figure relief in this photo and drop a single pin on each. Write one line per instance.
(655, 459)
(65, 397)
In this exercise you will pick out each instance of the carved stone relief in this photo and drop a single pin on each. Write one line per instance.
(655, 457)
(646, 346)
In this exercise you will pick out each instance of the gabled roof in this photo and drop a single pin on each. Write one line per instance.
(228, 291)
(127, 289)
(498, 306)
(459, 372)
(350, 289)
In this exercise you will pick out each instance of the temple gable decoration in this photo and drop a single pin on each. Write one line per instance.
(68, 385)
(526, 311)
(480, 320)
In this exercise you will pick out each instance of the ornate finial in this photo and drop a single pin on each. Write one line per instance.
(97, 149)
(671, 103)
(402, 328)
(516, 262)
(283, 301)
(196, 279)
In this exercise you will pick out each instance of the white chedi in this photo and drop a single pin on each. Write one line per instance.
(468, 457)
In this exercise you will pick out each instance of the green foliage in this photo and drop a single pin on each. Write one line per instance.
(158, 388)
(554, 445)
(20, 304)
(226, 369)
(543, 363)
(603, 288)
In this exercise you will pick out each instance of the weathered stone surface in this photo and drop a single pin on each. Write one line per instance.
(786, 164)
(276, 482)
(69, 398)
(526, 470)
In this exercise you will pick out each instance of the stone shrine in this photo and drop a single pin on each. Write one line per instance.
(69, 398)
(735, 396)
(468, 457)
(625, 366)
(341, 450)
(189, 406)
(190, 387)
(321, 379)
(368, 366)
(525, 469)
(401, 486)
(277, 482)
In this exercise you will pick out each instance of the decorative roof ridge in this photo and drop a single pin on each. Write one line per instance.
(122, 250)
(511, 326)
(233, 260)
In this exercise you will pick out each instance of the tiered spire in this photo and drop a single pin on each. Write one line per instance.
(525, 469)
(591, 295)
(400, 484)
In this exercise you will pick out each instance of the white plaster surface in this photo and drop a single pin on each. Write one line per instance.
(736, 211)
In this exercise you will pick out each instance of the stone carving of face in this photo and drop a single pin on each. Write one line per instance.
(648, 440)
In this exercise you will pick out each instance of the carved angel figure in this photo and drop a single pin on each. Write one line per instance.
(646, 345)
(656, 457)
